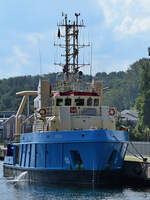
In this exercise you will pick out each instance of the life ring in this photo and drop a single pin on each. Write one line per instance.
(73, 109)
(42, 111)
(112, 111)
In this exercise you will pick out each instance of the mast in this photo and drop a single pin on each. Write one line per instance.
(67, 38)
(72, 47)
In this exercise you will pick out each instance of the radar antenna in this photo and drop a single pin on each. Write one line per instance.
(71, 45)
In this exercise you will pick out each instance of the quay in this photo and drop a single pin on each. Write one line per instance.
(136, 171)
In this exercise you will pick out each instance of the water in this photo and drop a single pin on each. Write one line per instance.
(18, 189)
(19, 179)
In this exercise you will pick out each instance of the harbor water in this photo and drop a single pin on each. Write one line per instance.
(16, 189)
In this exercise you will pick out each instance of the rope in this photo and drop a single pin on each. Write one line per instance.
(144, 159)
(134, 155)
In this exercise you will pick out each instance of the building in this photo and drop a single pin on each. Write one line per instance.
(4, 117)
(130, 117)
(9, 129)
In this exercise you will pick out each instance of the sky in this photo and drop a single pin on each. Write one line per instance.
(118, 29)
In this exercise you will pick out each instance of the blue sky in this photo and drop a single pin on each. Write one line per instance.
(119, 31)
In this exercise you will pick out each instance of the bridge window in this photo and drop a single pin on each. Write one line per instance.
(96, 102)
(59, 102)
(67, 102)
(89, 101)
(89, 111)
(79, 102)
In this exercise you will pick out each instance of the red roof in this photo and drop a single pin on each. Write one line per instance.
(73, 93)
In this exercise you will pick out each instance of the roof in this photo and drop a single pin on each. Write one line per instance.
(75, 93)
(130, 114)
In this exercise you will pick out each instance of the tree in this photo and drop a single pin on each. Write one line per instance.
(143, 100)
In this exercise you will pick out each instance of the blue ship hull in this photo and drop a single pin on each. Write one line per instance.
(74, 157)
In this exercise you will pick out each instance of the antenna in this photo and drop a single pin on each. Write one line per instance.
(69, 30)
(91, 60)
(40, 58)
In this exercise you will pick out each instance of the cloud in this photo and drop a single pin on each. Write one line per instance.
(30, 55)
(21, 57)
(127, 17)
(18, 57)
(34, 39)
(15, 63)
(131, 26)
(107, 63)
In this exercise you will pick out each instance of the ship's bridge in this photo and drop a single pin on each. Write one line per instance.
(70, 110)
(74, 98)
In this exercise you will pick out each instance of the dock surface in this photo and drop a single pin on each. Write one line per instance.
(136, 171)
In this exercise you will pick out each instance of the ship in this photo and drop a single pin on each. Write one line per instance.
(74, 139)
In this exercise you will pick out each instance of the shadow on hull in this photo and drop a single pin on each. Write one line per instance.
(69, 178)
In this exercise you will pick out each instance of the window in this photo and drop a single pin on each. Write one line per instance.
(79, 102)
(89, 111)
(59, 102)
(96, 102)
(67, 102)
(89, 101)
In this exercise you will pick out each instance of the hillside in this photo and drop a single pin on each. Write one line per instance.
(123, 86)
(122, 92)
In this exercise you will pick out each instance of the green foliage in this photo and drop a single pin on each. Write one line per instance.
(123, 86)
(135, 134)
(122, 92)
(143, 100)
(9, 101)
